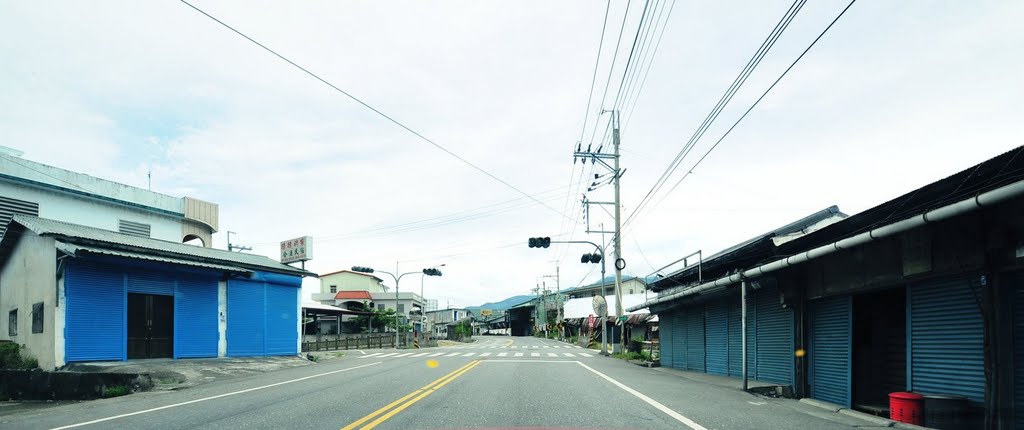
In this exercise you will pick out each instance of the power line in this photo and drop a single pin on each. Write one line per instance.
(629, 60)
(611, 68)
(737, 83)
(816, 39)
(647, 71)
(374, 110)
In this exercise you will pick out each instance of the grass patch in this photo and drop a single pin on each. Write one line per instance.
(338, 354)
(13, 356)
(642, 355)
(115, 391)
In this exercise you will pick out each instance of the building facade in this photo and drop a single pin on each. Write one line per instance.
(76, 293)
(36, 189)
(923, 293)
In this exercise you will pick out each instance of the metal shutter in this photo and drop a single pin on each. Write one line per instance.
(717, 337)
(150, 282)
(946, 340)
(830, 354)
(195, 318)
(679, 340)
(246, 322)
(735, 338)
(665, 333)
(95, 315)
(774, 328)
(1017, 281)
(695, 338)
(282, 320)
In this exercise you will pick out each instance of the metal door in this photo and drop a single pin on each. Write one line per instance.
(665, 335)
(282, 320)
(246, 318)
(717, 337)
(831, 352)
(695, 338)
(95, 315)
(679, 339)
(946, 339)
(150, 326)
(774, 328)
(196, 308)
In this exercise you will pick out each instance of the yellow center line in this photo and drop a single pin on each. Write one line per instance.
(436, 384)
(423, 394)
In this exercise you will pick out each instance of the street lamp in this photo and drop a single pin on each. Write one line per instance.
(544, 242)
(397, 278)
(423, 312)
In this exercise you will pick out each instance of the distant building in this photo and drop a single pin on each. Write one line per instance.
(346, 280)
(31, 188)
(630, 285)
(439, 320)
(363, 291)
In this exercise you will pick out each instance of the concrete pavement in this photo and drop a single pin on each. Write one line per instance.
(423, 390)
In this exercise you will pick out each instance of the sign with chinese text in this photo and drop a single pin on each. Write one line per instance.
(298, 249)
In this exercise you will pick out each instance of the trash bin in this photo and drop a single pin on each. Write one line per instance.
(946, 412)
(906, 408)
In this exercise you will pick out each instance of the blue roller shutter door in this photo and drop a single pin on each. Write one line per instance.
(150, 282)
(717, 337)
(830, 353)
(695, 338)
(736, 338)
(774, 331)
(1017, 282)
(95, 326)
(246, 322)
(665, 332)
(195, 318)
(679, 340)
(282, 320)
(946, 340)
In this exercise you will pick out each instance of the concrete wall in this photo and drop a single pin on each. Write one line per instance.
(349, 281)
(75, 209)
(27, 277)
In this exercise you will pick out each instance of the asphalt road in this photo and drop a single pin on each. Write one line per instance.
(493, 383)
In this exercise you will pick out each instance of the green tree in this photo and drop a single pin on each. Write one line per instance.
(381, 319)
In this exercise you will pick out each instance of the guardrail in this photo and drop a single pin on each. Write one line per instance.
(370, 341)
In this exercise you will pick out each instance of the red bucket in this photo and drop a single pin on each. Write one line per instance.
(906, 408)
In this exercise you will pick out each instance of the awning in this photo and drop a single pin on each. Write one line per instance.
(319, 308)
(79, 250)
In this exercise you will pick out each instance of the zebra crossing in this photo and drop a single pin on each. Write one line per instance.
(506, 354)
(512, 347)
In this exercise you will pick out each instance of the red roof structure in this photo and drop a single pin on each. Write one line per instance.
(353, 295)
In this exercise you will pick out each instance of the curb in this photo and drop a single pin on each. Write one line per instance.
(884, 422)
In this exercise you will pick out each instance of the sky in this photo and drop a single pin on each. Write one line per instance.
(895, 96)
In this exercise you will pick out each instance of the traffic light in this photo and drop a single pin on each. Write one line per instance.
(362, 269)
(432, 272)
(539, 242)
(590, 258)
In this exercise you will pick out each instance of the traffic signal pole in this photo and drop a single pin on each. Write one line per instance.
(546, 241)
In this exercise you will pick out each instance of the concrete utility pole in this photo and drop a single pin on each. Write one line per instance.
(616, 172)
(620, 263)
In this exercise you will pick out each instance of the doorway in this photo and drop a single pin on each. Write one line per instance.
(150, 326)
(879, 347)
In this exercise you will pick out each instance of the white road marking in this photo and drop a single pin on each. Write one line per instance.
(676, 415)
(485, 354)
(420, 354)
(453, 354)
(534, 354)
(502, 354)
(551, 354)
(403, 355)
(361, 351)
(512, 360)
(469, 354)
(371, 355)
(519, 354)
(758, 403)
(214, 397)
(436, 354)
(586, 355)
(568, 354)
(388, 355)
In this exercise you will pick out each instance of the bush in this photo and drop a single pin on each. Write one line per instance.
(12, 356)
(115, 391)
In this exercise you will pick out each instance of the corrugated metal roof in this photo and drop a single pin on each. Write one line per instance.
(80, 250)
(346, 295)
(77, 234)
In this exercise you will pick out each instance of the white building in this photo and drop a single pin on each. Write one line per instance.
(31, 188)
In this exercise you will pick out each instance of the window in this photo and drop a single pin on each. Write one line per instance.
(401, 308)
(334, 289)
(37, 318)
(133, 228)
(12, 323)
(630, 291)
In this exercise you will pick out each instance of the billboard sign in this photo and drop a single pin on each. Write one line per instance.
(298, 249)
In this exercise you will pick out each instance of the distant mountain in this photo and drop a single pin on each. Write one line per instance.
(504, 304)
